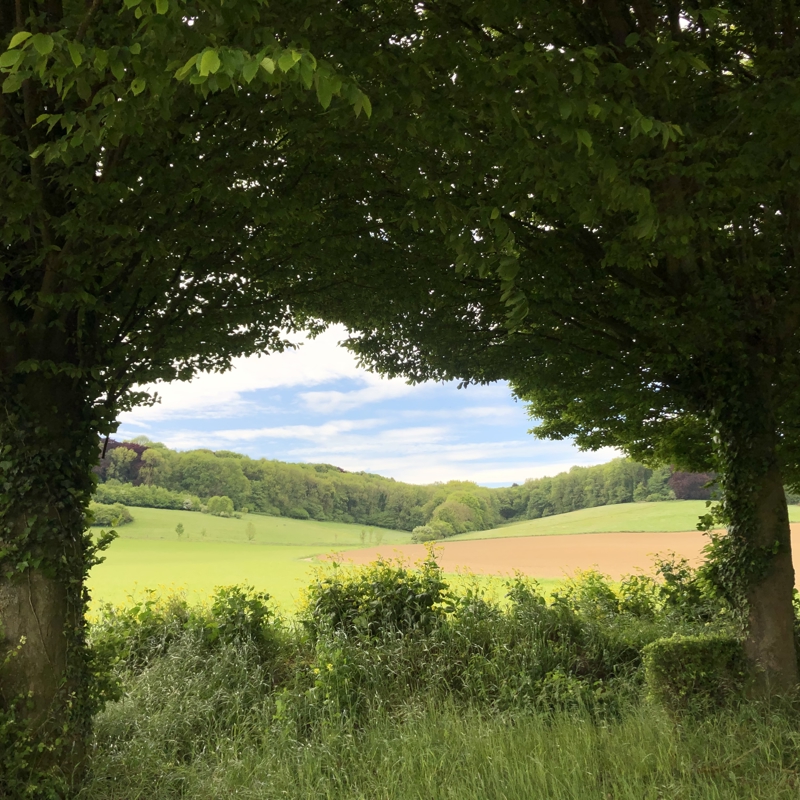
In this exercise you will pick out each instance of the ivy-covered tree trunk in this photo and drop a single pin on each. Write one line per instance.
(47, 449)
(755, 558)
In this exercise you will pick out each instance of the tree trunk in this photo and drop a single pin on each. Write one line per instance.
(770, 644)
(757, 553)
(47, 449)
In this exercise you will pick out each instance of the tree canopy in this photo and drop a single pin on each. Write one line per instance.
(148, 211)
(599, 203)
(596, 201)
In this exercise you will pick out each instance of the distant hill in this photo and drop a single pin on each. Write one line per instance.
(148, 474)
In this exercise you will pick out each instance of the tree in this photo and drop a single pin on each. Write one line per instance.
(148, 206)
(220, 506)
(599, 202)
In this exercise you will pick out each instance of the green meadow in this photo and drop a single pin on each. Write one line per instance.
(216, 551)
(674, 515)
(280, 558)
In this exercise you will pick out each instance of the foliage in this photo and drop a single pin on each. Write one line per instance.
(656, 489)
(220, 506)
(599, 206)
(379, 599)
(109, 515)
(147, 212)
(694, 671)
(323, 492)
(204, 694)
(132, 637)
(146, 496)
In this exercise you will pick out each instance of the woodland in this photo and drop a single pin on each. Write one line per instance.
(135, 474)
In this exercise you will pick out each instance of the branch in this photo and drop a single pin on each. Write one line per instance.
(646, 14)
(81, 32)
(617, 24)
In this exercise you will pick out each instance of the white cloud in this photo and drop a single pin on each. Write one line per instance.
(334, 402)
(445, 437)
(420, 454)
(219, 395)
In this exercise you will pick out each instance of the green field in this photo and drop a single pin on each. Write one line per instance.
(215, 551)
(674, 515)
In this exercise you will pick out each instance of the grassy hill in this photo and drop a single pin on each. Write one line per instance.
(215, 551)
(675, 515)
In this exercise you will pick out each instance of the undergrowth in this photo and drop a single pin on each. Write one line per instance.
(391, 685)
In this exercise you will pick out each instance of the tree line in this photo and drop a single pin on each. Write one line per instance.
(144, 473)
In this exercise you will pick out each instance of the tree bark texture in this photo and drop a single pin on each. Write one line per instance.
(770, 644)
(47, 448)
(758, 552)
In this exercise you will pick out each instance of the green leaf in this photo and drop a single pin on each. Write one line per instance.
(508, 268)
(249, 71)
(287, 60)
(268, 64)
(646, 124)
(75, 53)
(181, 73)
(43, 44)
(135, 49)
(584, 138)
(18, 38)
(696, 62)
(10, 58)
(209, 63)
(324, 91)
(366, 105)
(138, 85)
(565, 108)
(495, 213)
(118, 70)
(12, 83)
(162, 6)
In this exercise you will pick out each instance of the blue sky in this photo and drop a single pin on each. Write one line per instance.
(315, 404)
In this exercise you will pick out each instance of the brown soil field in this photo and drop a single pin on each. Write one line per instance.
(613, 554)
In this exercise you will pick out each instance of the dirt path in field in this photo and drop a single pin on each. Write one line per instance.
(613, 554)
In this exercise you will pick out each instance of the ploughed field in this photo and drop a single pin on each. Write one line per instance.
(214, 551)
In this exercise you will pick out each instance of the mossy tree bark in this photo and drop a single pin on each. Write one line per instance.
(755, 557)
(48, 448)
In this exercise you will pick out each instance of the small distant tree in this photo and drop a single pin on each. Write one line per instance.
(692, 485)
(179, 529)
(250, 530)
(220, 506)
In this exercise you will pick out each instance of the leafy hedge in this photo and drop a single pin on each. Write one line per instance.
(145, 496)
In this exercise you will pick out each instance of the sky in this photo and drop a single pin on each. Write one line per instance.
(315, 404)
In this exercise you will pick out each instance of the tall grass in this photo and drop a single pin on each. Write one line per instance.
(439, 696)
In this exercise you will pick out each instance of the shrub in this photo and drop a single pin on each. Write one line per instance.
(220, 506)
(424, 533)
(381, 597)
(434, 530)
(682, 672)
(110, 515)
